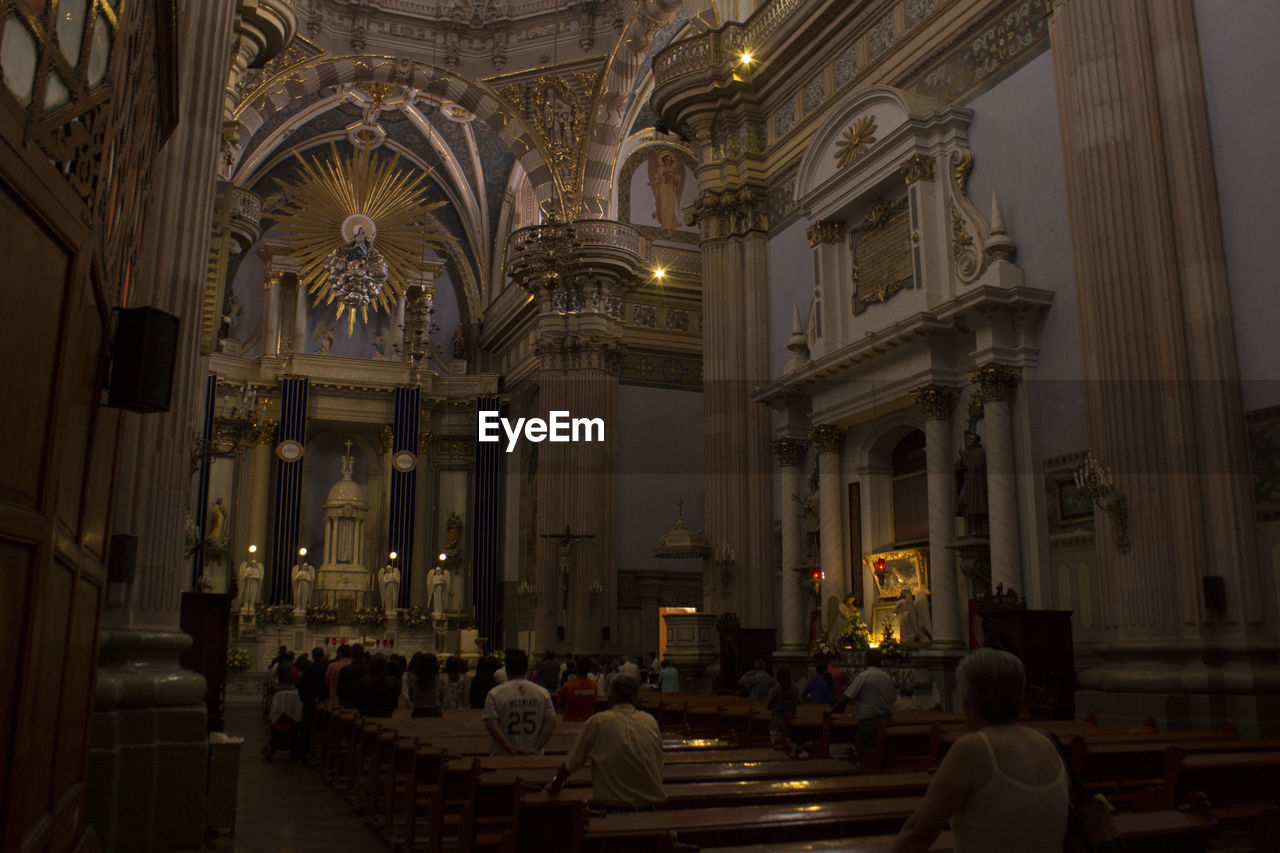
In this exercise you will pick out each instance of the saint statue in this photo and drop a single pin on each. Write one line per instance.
(971, 480)
(217, 520)
(358, 248)
(250, 584)
(915, 623)
(437, 591)
(389, 583)
(460, 349)
(304, 579)
(453, 535)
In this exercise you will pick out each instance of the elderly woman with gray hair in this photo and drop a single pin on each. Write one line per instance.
(1003, 786)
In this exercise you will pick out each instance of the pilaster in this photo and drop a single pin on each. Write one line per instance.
(996, 383)
(936, 403)
(792, 453)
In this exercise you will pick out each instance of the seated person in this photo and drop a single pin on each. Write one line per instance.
(757, 683)
(1003, 787)
(625, 749)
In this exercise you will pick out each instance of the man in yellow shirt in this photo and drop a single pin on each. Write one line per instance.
(625, 748)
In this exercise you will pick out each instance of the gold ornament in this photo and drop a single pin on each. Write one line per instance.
(856, 141)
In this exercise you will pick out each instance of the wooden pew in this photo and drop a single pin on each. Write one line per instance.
(1225, 778)
(676, 773)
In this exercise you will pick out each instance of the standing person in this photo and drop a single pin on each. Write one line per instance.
(518, 714)
(578, 697)
(820, 689)
(629, 667)
(781, 702)
(350, 677)
(332, 671)
(311, 689)
(872, 694)
(625, 749)
(669, 681)
(457, 684)
(655, 668)
(426, 687)
(1003, 787)
(379, 690)
(483, 681)
(758, 682)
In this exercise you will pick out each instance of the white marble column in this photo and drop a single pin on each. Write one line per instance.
(997, 382)
(937, 403)
(300, 340)
(829, 440)
(259, 510)
(270, 332)
(791, 454)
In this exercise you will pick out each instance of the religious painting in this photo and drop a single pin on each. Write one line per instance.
(1068, 505)
(897, 571)
(882, 615)
(1073, 503)
(666, 182)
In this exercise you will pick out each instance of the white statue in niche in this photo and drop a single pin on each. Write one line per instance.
(389, 584)
(438, 591)
(250, 581)
(915, 622)
(304, 579)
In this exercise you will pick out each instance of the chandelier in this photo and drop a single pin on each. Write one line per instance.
(548, 252)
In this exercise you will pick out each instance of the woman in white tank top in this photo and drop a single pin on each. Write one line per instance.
(1003, 788)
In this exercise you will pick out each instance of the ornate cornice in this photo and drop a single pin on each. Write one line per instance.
(828, 438)
(825, 231)
(571, 351)
(730, 213)
(936, 401)
(791, 451)
(917, 167)
(996, 381)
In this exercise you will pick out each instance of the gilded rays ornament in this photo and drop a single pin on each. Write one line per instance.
(358, 224)
(860, 136)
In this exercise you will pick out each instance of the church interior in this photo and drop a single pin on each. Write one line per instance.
(879, 330)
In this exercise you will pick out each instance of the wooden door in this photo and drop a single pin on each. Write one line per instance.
(82, 111)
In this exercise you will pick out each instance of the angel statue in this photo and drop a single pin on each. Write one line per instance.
(323, 337)
(666, 179)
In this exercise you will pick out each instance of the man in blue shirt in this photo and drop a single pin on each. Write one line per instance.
(758, 682)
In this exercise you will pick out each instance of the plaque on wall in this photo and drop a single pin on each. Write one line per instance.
(881, 247)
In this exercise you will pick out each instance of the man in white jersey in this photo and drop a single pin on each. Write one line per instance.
(519, 714)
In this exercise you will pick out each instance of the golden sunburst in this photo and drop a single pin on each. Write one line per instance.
(369, 191)
(860, 136)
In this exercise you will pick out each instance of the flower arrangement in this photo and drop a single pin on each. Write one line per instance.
(890, 648)
(414, 617)
(275, 614)
(369, 617)
(822, 646)
(238, 659)
(322, 614)
(855, 634)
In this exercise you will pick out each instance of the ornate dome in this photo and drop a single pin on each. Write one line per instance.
(346, 490)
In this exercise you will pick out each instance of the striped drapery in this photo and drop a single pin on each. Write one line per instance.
(288, 503)
(404, 488)
(202, 490)
(484, 550)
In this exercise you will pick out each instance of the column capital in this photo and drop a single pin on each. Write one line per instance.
(791, 451)
(825, 231)
(996, 381)
(828, 437)
(272, 279)
(936, 401)
(725, 213)
(917, 167)
(267, 432)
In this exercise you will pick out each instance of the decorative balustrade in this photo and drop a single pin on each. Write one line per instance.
(723, 46)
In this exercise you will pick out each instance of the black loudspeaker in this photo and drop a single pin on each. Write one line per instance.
(122, 558)
(143, 352)
(1215, 592)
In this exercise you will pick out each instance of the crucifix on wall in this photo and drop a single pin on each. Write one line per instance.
(567, 540)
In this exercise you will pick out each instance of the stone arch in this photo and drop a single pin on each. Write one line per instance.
(316, 73)
(639, 155)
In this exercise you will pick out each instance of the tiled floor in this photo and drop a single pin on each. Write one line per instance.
(283, 806)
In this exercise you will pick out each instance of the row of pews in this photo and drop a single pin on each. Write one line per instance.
(429, 784)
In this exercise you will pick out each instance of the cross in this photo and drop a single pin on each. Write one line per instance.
(567, 540)
(348, 447)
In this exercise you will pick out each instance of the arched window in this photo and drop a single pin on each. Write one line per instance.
(910, 493)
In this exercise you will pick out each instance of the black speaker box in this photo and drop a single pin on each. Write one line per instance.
(143, 352)
(122, 558)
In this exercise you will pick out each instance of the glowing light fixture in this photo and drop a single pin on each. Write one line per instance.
(443, 556)
(659, 273)
(746, 57)
(302, 552)
(253, 549)
(393, 555)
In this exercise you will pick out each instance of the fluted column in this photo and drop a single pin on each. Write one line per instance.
(936, 402)
(997, 383)
(791, 455)
(829, 441)
(1159, 356)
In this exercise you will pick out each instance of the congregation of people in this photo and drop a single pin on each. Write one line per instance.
(997, 763)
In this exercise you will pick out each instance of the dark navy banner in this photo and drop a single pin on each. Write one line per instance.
(284, 530)
(484, 550)
(403, 489)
